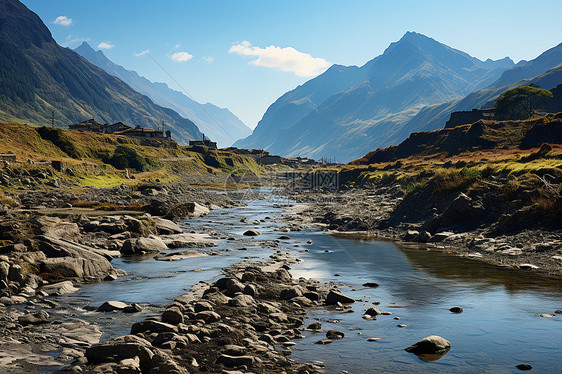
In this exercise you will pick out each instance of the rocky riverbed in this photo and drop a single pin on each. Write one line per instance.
(458, 224)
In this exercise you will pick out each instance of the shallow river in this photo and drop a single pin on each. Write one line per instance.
(499, 328)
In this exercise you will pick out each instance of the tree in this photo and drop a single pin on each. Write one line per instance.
(520, 102)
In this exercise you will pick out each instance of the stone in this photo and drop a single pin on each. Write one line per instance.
(290, 293)
(165, 226)
(236, 361)
(196, 209)
(251, 290)
(152, 244)
(38, 318)
(208, 316)
(202, 306)
(456, 309)
(373, 339)
(314, 326)
(429, 345)
(370, 284)
(152, 326)
(55, 228)
(528, 267)
(546, 315)
(373, 312)
(334, 334)
(92, 265)
(251, 233)
(324, 341)
(524, 367)
(242, 301)
(122, 348)
(110, 306)
(133, 308)
(402, 325)
(335, 297)
(188, 240)
(60, 288)
(173, 316)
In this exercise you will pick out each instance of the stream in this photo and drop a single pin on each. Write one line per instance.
(499, 328)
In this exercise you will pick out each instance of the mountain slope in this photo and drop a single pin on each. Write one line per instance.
(37, 77)
(217, 123)
(360, 108)
(544, 71)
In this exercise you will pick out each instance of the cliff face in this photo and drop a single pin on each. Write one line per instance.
(38, 77)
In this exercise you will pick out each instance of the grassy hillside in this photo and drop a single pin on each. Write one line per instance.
(86, 152)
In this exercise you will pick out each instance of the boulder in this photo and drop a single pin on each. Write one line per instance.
(335, 297)
(314, 326)
(38, 318)
(188, 240)
(60, 288)
(208, 316)
(122, 348)
(290, 293)
(430, 348)
(172, 316)
(152, 326)
(236, 361)
(92, 265)
(197, 210)
(110, 306)
(152, 244)
(334, 334)
(373, 312)
(251, 233)
(55, 228)
(165, 226)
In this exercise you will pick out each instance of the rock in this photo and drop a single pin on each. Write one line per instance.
(197, 210)
(528, 267)
(188, 240)
(38, 318)
(324, 341)
(15, 273)
(242, 301)
(251, 290)
(236, 361)
(165, 226)
(60, 288)
(173, 316)
(456, 309)
(334, 334)
(314, 326)
(251, 233)
(208, 316)
(110, 306)
(370, 284)
(55, 228)
(133, 308)
(93, 266)
(430, 345)
(152, 244)
(546, 315)
(373, 312)
(202, 306)
(290, 293)
(180, 255)
(312, 296)
(524, 367)
(122, 348)
(402, 325)
(373, 339)
(152, 326)
(335, 297)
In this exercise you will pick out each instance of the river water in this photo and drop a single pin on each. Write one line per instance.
(499, 328)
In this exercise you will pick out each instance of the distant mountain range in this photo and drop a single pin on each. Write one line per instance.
(348, 111)
(217, 123)
(37, 77)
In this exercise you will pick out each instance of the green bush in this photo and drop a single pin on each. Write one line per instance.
(59, 139)
(127, 158)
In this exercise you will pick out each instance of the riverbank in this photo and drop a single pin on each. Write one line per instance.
(451, 222)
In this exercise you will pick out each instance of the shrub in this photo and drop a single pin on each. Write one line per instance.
(59, 138)
(126, 157)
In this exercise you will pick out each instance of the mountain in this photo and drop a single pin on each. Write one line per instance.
(217, 123)
(544, 71)
(347, 111)
(37, 77)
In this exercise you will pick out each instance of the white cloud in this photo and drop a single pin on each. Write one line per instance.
(208, 59)
(63, 21)
(105, 45)
(181, 57)
(282, 58)
(145, 52)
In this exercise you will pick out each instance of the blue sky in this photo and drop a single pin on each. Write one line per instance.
(245, 54)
